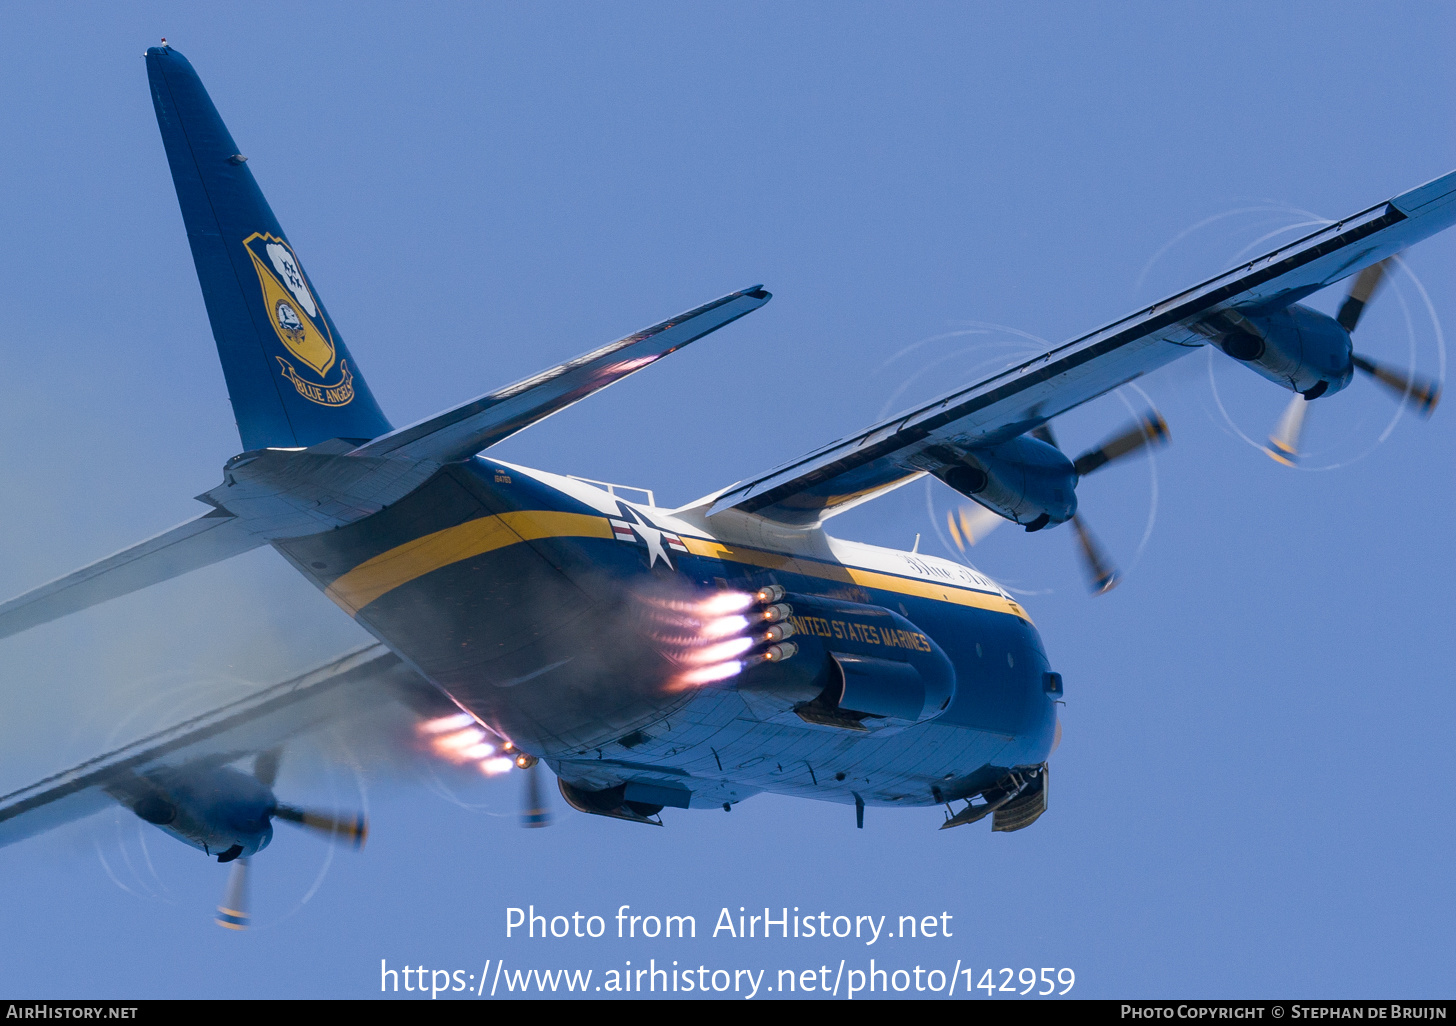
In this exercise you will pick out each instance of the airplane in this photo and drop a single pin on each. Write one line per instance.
(653, 658)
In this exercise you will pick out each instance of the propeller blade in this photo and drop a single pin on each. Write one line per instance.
(232, 914)
(1283, 444)
(1421, 393)
(1149, 429)
(352, 829)
(536, 813)
(265, 767)
(1100, 571)
(970, 524)
(1044, 432)
(1366, 282)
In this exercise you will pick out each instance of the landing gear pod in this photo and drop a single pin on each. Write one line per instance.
(858, 667)
(879, 687)
(613, 802)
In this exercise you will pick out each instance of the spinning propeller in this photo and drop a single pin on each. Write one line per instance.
(971, 523)
(352, 830)
(536, 813)
(1418, 392)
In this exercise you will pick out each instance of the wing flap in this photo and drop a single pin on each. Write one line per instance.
(852, 470)
(466, 429)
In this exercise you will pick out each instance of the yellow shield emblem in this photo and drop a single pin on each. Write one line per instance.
(298, 321)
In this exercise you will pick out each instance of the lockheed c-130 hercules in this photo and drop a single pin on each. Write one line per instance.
(653, 658)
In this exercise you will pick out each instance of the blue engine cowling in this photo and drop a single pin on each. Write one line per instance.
(1025, 480)
(1299, 348)
(216, 809)
(858, 666)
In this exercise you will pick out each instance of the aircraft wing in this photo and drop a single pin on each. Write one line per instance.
(208, 539)
(470, 427)
(347, 685)
(893, 452)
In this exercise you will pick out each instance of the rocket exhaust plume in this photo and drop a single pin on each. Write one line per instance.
(725, 626)
(446, 723)
(460, 740)
(721, 651)
(718, 636)
(709, 674)
(725, 602)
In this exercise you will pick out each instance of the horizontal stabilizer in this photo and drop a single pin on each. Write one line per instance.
(470, 427)
(197, 543)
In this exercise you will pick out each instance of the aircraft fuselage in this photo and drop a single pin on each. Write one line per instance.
(536, 602)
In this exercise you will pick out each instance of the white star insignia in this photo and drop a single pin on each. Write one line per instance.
(653, 537)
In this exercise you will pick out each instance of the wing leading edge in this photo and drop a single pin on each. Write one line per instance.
(894, 452)
(465, 430)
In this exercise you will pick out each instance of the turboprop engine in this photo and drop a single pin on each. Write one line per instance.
(1312, 355)
(1025, 480)
(1030, 481)
(1296, 347)
(218, 810)
(228, 814)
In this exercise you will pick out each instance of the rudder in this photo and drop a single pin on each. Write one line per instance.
(290, 378)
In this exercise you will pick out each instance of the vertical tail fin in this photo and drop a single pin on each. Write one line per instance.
(290, 378)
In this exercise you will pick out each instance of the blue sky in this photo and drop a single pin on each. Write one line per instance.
(1252, 797)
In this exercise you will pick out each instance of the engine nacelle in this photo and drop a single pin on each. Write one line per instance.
(859, 667)
(1025, 480)
(1299, 348)
(218, 810)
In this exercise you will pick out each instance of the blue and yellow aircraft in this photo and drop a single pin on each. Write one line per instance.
(653, 658)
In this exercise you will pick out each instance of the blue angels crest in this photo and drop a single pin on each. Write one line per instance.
(312, 366)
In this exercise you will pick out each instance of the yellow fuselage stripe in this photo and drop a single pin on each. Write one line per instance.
(854, 575)
(404, 563)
